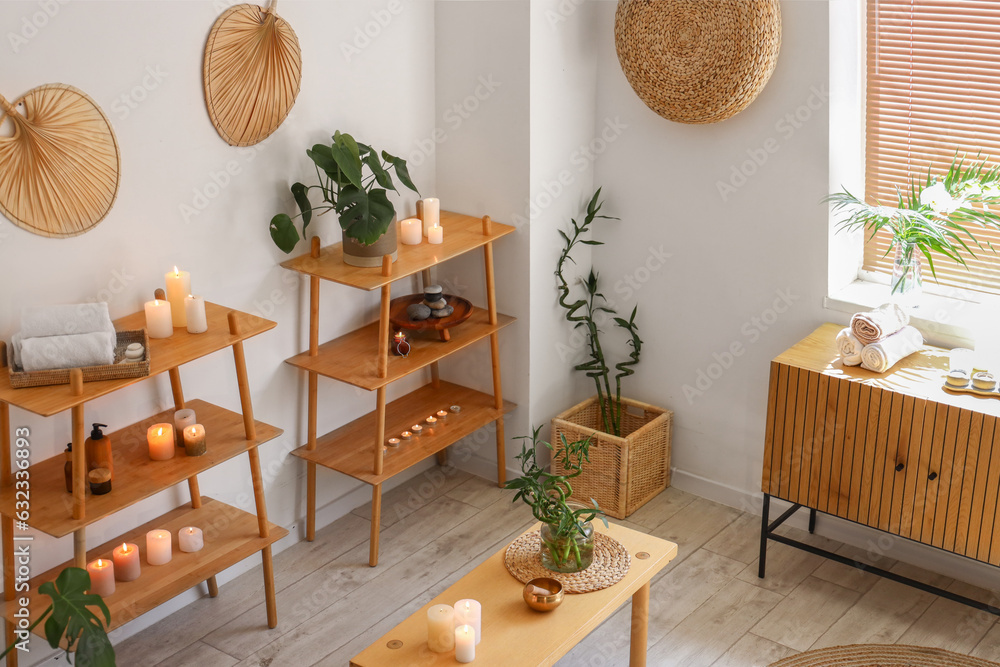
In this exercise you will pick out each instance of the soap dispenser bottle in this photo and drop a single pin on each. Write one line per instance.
(68, 467)
(99, 450)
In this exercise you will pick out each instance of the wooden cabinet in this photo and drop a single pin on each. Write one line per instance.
(231, 534)
(896, 451)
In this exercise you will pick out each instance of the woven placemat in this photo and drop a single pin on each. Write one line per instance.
(611, 563)
(882, 655)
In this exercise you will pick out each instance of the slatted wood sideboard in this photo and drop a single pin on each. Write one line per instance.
(896, 452)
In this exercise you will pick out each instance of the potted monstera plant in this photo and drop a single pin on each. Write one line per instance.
(348, 173)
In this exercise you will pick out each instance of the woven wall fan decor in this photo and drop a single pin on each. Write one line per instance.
(697, 61)
(60, 169)
(252, 72)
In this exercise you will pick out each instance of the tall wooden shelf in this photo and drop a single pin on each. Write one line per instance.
(361, 358)
(231, 534)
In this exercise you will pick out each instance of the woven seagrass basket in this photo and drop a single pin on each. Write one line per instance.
(624, 473)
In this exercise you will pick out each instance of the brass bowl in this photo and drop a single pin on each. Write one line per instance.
(543, 594)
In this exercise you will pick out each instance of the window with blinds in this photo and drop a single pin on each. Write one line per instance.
(933, 87)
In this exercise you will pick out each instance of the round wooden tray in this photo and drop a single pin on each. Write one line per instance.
(400, 320)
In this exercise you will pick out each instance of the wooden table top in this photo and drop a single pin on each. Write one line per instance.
(512, 633)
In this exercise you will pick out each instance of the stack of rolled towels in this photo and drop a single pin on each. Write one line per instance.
(877, 339)
(66, 336)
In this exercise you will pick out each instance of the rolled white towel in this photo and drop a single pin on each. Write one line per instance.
(849, 347)
(874, 325)
(65, 320)
(76, 351)
(883, 355)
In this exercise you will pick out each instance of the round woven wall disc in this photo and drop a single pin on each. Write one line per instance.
(253, 69)
(60, 169)
(697, 61)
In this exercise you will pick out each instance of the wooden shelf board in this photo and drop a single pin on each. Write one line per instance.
(136, 476)
(164, 354)
(230, 536)
(350, 449)
(462, 233)
(352, 357)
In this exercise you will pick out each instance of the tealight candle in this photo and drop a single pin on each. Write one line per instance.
(394, 442)
(435, 235)
(417, 429)
(160, 438)
(442, 414)
(126, 560)
(405, 435)
(190, 539)
(465, 643)
(178, 286)
(159, 547)
(456, 408)
(441, 628)
(183, 419)
(431, 214)
(194, 309)
(194, 440)
(158, 319)
(470, 612)
(102, 577)
(411, 231)
(431, 420)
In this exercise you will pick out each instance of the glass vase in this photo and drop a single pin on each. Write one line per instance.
(567, 553)
(907, 281)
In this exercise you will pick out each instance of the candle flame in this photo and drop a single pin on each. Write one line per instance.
(176, 272)
(100, 563)
(125, 548)
(468, 605)
(159, 431)
(190, 531)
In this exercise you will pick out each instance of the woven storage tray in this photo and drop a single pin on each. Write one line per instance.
(624, 473)
(20, 379)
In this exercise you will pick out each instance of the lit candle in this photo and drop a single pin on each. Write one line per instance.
(126, 559)
(194, 440)
(442, 414)
(431, 421)
(440, 628)
(158, 547)
(417, 429)
(158, 322)
(394, 442)
(183, 419)
(160, 438)
(431, 214)
(465, 643)
(190, 539)
(435, 235)
(470, 612)
(405, 435)
(102, 577)
(411, 232)
(194, 309)
(178, 287)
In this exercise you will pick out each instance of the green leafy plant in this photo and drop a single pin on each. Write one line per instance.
(548, 495)
(582, 313)
(364, 210)
(69, 616)
(932, 214)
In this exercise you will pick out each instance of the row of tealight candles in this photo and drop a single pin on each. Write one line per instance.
(185, 432)
(180, 309)
(413, 230)
(458, 628)
(124, 564)
(418, 429)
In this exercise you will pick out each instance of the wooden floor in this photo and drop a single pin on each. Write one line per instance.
(707, 608)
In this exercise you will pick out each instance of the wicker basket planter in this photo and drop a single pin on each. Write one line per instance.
(626, 472)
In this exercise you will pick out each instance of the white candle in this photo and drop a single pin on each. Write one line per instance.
(432, 214)
(160, 438)
(441, 628)
(178, 287)
(194, 309)
(158, 547)
(411, 232)
(158, 322)
(465, 643)
(435, 235)
(190, 539)
(102, 577)
(470, 612)
(183, 419)
(126, 560)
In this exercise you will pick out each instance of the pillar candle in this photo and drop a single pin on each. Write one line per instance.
(183, 419)
(126, 560)
(178, 287)
(435, 235)
(194, 440)
(194, 309)
(190, 539)
(470, 612)
(411, 231)
(465, 643)
(432, 214)
(158, 547)
(102, 577)
(160, 438)
(441, 628)
(158, 322)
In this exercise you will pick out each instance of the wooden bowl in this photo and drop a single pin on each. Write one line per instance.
(543, 601)
(399, 319)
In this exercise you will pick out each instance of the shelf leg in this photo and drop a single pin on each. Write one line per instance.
(310, 501)
(79, 455)
(258, 491)
(8, 528)
(176, 388)
(442, 457)
(376, 524)
(379, 428)
(383, 322)
(195, 490)
(269, 598)
(313, 398)
(80, 548)
(640, 627)
(241, 378)
(491, 300)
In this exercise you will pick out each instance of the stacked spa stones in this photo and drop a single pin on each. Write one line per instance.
(434, 305)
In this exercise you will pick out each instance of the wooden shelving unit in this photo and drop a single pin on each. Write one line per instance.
(230, 533)
(361, 358)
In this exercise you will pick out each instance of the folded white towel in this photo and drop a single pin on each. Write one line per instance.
(14, 357)
(65, 320)
(880, 323)
(883, 355)
(50, 352)
(849, 347)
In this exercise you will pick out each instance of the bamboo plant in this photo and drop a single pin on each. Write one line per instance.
(583, 313)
